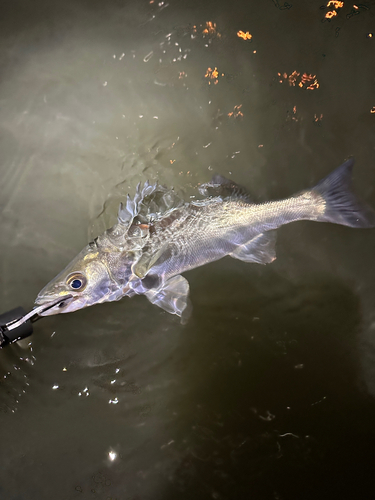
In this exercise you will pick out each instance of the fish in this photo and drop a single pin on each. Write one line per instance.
(158, 236)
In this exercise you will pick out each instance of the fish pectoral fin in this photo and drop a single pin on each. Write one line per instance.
(148, 260)
(172, 296)
(260, 249)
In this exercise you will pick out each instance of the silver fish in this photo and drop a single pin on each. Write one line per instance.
(158, 236)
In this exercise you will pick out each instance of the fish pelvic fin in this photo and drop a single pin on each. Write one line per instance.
(341, 205)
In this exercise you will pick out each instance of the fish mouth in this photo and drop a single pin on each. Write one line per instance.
(48, 305)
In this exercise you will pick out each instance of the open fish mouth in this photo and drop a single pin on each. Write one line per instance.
(41, 310)
(46, 306)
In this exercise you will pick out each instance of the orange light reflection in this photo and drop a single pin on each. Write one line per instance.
(245, 36)
(330, 14)
(213, 76)
(210, 29)
(335, 4)
(306, 81)
(236, 112)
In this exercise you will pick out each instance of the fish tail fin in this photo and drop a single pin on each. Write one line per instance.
(342, 206)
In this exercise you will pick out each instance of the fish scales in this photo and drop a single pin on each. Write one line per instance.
(232, 222)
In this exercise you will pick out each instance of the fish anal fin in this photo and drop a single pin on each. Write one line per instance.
(172, 296)
(260, 249)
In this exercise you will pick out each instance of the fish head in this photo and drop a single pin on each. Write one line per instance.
(85, 281)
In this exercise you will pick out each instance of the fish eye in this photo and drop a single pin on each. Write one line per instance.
(76, 281)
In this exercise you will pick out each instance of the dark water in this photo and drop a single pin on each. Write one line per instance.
(268, 391)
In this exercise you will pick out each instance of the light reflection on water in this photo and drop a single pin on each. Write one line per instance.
(267, 391)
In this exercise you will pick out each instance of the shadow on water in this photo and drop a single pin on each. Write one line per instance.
(275, 408)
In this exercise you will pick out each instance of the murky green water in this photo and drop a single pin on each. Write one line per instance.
(268, 391)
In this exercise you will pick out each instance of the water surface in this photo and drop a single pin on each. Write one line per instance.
(268, 391)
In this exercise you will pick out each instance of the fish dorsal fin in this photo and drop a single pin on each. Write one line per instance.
(128, 211)
(148, 203)
(225, 188)
(260, 249)
(172, 296)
